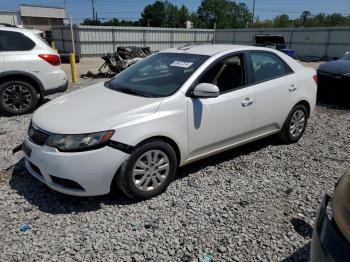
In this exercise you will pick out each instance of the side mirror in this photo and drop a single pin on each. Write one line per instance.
(205, 90)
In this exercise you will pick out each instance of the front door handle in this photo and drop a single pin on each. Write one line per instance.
(292, 88)
(247, 101)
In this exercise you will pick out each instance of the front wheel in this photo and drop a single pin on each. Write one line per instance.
(148, 171)
(294, 127)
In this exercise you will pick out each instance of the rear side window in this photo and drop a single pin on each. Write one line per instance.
(268, 66)
(14, 41)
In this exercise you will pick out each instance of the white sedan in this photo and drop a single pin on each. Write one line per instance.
(170, 109)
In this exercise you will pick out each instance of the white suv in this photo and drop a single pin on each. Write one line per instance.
(170, 109)
(29, 70)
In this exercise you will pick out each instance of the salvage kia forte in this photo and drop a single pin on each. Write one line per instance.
(168, 110)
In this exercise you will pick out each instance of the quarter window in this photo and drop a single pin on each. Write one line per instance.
(14, 41)
(267, 66)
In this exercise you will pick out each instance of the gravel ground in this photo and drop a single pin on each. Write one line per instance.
(254, 203)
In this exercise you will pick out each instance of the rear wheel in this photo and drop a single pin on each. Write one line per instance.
(17, 97)
(148, 171)
(294, 127)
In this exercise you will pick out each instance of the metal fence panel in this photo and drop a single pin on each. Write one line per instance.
(97, 40)
(318, 42)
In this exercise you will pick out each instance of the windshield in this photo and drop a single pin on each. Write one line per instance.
(159, 75)
(346, 56)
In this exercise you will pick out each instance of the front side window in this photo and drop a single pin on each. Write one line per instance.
(14, 41)
(227, 74)
(267, 66)
(159, 75)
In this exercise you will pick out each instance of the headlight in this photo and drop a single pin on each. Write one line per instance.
(79, 142)
(341, 204)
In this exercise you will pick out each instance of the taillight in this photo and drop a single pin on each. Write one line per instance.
(54, 60)
(315, 78)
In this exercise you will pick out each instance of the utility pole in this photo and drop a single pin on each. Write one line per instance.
(214, 33)
(253, 12)
(93, 9)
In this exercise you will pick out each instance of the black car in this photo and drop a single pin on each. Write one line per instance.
(334, 80)
(331, 235)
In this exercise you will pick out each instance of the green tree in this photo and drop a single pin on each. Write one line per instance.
(226, 14)
(183, 16)
(153, 15)
(164, 14)
(336, 20)
(317, 20)
(88, 21)
(304, 17)
(282, 21)
(244, 16)
(171, 15)
(267, 23)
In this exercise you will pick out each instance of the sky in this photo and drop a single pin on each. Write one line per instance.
(131, 9)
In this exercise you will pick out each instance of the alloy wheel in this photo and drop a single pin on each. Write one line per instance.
(17, 97)
(297, 123)
(150, 170)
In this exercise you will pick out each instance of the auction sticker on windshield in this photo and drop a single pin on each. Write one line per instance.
(181, 64)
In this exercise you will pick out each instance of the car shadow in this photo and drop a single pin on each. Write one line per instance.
(300, 255)
(43, 101)
(334, 102)
(227, 155)
(302, 227)
(50, 201)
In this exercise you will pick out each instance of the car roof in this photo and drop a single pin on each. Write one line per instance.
(211, 49)
(216, 49)
(19, 29)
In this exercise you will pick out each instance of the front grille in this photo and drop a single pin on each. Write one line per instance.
(37, 136)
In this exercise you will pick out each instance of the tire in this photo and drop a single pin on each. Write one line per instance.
(25, 98)
(297, 118)
(127, 180)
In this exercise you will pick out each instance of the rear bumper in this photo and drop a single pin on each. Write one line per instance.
(332, 86)
(61, 88)
(328, 243)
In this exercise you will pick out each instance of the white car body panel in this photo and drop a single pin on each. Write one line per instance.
(77, 166)
(50, 76)
(97, 108)
(206, 117)
(1, 63)
(199, 127)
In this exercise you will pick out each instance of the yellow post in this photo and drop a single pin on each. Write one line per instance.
(73, 68)
(53, 45)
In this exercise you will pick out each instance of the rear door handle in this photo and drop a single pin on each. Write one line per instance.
(247, 101)
(292, 88)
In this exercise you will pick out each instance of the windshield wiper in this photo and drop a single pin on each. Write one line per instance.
(126, 90)
(108, 84)
(132, 92)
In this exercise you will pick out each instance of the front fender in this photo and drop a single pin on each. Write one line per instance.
(169, 121)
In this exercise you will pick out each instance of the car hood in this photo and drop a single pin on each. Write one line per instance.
(92, 109)
(339, 67)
